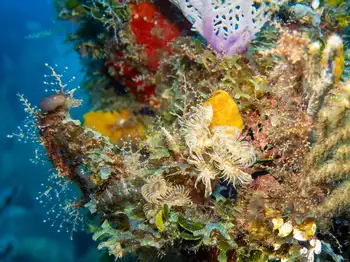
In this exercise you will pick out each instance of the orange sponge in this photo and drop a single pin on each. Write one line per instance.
(115, 125)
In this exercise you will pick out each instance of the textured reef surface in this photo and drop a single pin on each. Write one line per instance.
(219, 130)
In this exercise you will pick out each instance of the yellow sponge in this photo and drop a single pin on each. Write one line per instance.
(225, 110)
(107, 123)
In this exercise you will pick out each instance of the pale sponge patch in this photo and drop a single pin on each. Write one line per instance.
(228, 26)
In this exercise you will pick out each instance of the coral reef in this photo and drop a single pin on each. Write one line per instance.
(234, 147)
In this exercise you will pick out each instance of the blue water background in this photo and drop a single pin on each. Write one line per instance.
(22, 69)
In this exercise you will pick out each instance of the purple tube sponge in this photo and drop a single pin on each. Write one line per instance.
(227, 25)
